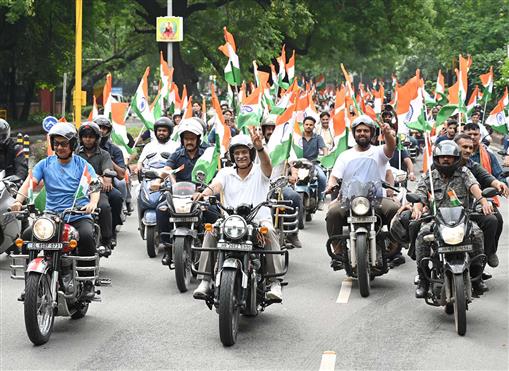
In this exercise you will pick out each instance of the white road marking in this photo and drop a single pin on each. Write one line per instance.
(344, 293)
(328, 361)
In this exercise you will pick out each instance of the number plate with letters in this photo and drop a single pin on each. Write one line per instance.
(45, 246)
(452, 249)
(361, 219)
(234, 246)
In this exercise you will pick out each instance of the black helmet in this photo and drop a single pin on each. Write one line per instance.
(242, 140)
(66, 130)
(88, 128)
(102, 120)
(447, 148)
(164, 122)
(5, 131)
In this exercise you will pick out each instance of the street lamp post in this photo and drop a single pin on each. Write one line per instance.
(79, 97)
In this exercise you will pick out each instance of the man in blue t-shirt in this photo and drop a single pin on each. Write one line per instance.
(62, 174)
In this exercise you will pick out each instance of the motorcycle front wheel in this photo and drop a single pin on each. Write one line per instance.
(39, 314)
(182, 259)
(361, 249)
(460, 304)
(151, 241)
(228, 307)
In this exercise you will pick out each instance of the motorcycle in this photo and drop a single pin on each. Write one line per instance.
(448, 267)
(365, 253)
(240, 281)
(186, 217)
(147, 205)
(280, 216)
(307, 186)
(411, 148)
(54, 284)
(10, 226)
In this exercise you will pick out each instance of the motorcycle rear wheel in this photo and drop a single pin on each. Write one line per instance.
(361, 249)
(229, 309)
(460, 304)
(38, 308)
(182, 260)
(151, 241)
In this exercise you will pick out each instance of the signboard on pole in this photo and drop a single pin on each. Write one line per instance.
(169, 29)
(48, 123)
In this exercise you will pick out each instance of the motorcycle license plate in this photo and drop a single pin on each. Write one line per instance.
(452, 249)
(361, 219)
(184, 219)
(234, 246)
(45, 246)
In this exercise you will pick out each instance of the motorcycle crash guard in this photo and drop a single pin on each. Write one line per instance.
(39, 265)
(458, 267)
(234, 264)
(149, 218)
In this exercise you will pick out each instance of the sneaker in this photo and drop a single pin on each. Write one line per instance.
(293, 239)
(22, 296)
(202, 291)
(104, 250)
(114, 239)
(493, 260)
(275, 291)
(320, 205)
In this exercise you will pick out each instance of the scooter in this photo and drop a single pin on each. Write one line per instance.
(10, 226)
(307, 186)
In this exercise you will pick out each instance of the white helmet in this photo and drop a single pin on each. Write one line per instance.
(192, 125)
(242, 140)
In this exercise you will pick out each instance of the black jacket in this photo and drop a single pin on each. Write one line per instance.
(12, 159)
(481, 174)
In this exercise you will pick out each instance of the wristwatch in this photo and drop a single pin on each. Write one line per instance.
(261, 149)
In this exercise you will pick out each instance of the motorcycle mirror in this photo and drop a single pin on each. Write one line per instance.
(489, 192)
(165, 155)
(212, 200)
(150, 174)
(413, 198)
(150, 155)
(200, 176)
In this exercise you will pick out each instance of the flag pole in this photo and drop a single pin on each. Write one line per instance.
(427, 140)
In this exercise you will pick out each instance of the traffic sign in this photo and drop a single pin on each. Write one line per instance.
(48, 123)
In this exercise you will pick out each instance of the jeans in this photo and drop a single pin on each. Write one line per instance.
(121, 185)
(116, 202)
(322, 181)
(105, 220)
(506, 143)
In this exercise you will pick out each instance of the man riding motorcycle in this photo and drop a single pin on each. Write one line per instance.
(191, 132)
(244, 183)
(312, 144)
(110, 200)
(452, 182)
(163, 129)
(324, 130)
(62, 174)
(119, 166)
(289, 193)
(363, 129)
(12, 157)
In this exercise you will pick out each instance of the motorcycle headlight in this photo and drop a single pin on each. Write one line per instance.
(44, 229)
(302, 173)
(360, 205)
(182, 205)
(234, 227)
(453, 236)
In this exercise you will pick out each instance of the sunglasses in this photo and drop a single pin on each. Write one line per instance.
(60, 144)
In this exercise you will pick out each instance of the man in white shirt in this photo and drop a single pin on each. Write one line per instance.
(363, 129)
(324, 130)
(244, 183)
(163, 128)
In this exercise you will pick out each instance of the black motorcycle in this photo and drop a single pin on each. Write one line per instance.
(285, 219)
(448, 267)
(240, 281)
(365, 239)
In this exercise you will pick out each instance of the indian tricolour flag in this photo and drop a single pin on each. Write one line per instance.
(207, 164)
(251, 110)
(140, 104)
(232, 69)
(297, 141)
(281, 60)
(281, 139)
(94, 112)
(84, 184)
(223, 133)
(119, 132)
(440, 86)
(465, 64)
(472, 102)
(487, 83)
(166, 77)
(379, 99)
(340, 139)
(497, 118)
(157, 106)
(107, 98)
